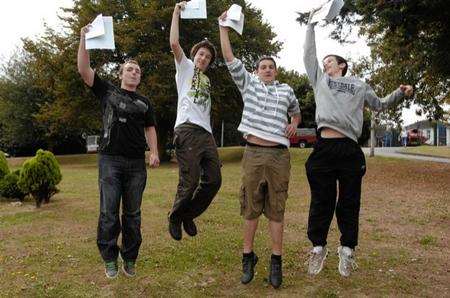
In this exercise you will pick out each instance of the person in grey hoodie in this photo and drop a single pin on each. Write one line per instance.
(266, 161)
(337, 156)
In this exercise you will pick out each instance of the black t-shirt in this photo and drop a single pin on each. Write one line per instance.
(125, 115)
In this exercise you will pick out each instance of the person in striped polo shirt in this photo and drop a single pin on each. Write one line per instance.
(266, 161)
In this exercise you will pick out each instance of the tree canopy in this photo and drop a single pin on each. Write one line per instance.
(409, 40)
(44, 103)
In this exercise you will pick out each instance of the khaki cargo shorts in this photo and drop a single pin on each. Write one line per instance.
(265, 182)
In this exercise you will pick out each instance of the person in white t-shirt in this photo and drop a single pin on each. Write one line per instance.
(196, 150)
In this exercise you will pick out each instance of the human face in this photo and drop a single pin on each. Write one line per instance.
(332, 68)
(202, 59)
(130, 76)
(266, 71)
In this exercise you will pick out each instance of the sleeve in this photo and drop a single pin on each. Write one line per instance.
(184, 65)
(239, 74)
(149, 116)
(378, 104)
(293, 108)
(313, 70)
(100, 87)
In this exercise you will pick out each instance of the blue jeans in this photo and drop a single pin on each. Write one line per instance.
(120, 178)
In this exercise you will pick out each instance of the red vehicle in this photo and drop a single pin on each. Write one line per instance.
(304, 137)
(415, 137)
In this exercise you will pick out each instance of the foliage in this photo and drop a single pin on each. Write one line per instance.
(57, 108)
(304, 93)
(9, 188)
(409, 43)
(39, 176)
(4, 169)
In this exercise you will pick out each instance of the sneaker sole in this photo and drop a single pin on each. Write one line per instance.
(321, 265)
(112, 277)
(340, 272)
(123, 268)
(126, 273)
(339, 267)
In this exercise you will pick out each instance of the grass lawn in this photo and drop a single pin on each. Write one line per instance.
(403, 251)
(441, 151)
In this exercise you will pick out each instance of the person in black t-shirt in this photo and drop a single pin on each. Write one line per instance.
(128, 122)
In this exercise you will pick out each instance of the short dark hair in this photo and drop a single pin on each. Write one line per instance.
(265, 58)
(204, 44)
(339, 60)
(132, 61)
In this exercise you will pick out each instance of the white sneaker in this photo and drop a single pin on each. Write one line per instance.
(317, 258)
(346, 261)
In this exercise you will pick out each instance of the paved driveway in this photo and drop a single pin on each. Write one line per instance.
(394, 152)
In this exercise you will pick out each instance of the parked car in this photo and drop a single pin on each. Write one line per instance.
(92, 143)
(415, 137)
(304, 137)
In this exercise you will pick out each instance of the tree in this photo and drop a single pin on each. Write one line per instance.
(67, 108)
(20, 99)
(142, 32)
(39, 177)
(304, 93)
(409, 44)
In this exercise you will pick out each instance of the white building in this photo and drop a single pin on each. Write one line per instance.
(437, 133)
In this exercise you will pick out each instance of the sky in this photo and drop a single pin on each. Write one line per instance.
(280, 14)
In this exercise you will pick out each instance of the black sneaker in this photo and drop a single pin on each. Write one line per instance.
(129, 268)
(275, 273)
(175, 229)
(111, 269)
(248, 268)
(189, 227)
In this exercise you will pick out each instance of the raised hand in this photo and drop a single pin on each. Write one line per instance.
(85, 30)
(180, 6)
(407, 89)
(311, 14)
(223, 16)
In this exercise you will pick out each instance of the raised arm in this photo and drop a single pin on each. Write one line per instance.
(225, 44)
(175, 31)
(83, 60)
(309, 53)
(378, 104)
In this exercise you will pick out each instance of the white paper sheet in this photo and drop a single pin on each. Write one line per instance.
(234, 12)
(306, 6)
(193, 4)
(105, 41)
(97, 28)
(237, 26)
(328, 11)
(194, 9)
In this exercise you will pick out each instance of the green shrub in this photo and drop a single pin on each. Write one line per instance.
(9, 188)
(4, 169)
(39, 176)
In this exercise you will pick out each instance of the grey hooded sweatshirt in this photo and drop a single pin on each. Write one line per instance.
(340, 101)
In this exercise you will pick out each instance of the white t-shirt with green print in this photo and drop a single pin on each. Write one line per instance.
(194, 100)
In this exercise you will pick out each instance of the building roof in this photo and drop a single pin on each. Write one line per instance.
(424, 124)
